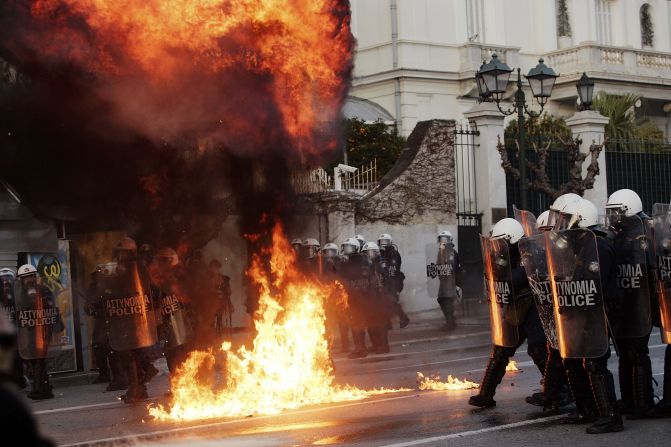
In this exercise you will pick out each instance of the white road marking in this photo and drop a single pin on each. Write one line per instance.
(79, 407)
(419, 365)
(139, 436)
(475, 432)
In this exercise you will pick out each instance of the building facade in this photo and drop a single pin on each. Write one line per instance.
(417, 58)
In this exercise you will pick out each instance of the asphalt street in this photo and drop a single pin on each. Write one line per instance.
(83, 414)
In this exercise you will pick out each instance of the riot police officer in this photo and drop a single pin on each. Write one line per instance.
(8, 304)
(310, 255)
(362, 240)
(390, 262)
(175, 325)
(447, 278)
(381, 305)
(131, 323)
(95, 307)
(38, 319)
(513, 316)
(635, 280)
(584, 260)
(297, 245)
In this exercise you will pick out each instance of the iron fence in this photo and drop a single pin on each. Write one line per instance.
(641, 165)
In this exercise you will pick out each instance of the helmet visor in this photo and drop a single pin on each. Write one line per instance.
(444, 239)
(615, 217)
(348, 249)
(383, 242)
(330, 252)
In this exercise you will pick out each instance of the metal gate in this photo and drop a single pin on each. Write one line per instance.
(641, 165)
(469, 220)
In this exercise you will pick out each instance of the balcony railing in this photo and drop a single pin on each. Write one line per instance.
(317, 181)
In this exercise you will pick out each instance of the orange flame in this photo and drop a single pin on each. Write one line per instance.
(288, 365)
(512, 366)
(219, 68)
(451, 384)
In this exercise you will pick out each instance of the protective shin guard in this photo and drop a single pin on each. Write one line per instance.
(663, 408)
(644, 399)
(494, 373)
(359, 338)
(609, 419)
(578, 381)
(554, 388)
(625, 376)
(539, 355)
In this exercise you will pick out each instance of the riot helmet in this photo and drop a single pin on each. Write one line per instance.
(311, 247)
(167, 257)
(329, 250)
(384, 239)
(542, 221)
(361, 240)
(297, 244)
(350, 246)
(508, 229)
(124, 250)
(622, 203)
(555, 219)
(27, 274)
(581, 214)
(372, 250)
(445, 237)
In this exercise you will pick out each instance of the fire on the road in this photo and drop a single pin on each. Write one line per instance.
(288, 365)
(512, 366)
(451, 384)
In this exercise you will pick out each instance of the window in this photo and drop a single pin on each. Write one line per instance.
(604, 33)
(475, 26)
(647, 30)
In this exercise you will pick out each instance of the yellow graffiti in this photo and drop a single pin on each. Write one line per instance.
(52, 273)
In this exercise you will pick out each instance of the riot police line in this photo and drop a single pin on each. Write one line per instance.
(373, 279)
(575, 283)
(144, 304)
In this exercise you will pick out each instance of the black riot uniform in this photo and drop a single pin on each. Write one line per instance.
(528, 328)
(632, 325)
(447, 295)
(389, 265)
(8, 304)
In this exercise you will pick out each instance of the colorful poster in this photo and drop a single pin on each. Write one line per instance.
(54, 272)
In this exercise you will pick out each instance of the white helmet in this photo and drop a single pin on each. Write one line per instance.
(296, 241)
(542, 220)
(126, 243)
(26, 269)
(350, 246)
(329, 250)
(625, 201)
(558, 205)
(384, 239)
(583, 214)
(508, 229)
(311, 242)
(7, 272)
(169, 255)
(372, 249)
(361, 239)
(445, 237)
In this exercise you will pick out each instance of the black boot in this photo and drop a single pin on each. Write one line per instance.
(137, 391)
(41, 388)
(578, 382)
(118, 366)
(644, 399)
(555, 393)
(344, 338)
(609, 419)
(663, 408)
(359, 338)
(624, 368)
(381, 345)
(494, 373)
(100, 354)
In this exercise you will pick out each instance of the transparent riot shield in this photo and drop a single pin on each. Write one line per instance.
(37, 319)
(440, 274)
(575, 281)
(632, 256)
(532, 251)
(500, 292)
(131, 322)
(174, 316)
(662, 230)
(528, 221)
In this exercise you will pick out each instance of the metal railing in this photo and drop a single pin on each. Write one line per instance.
(318, 180)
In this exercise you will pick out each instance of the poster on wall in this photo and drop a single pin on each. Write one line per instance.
(54, 273)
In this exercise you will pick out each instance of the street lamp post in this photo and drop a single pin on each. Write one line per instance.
(492, 80)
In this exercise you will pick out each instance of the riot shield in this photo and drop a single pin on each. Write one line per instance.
(575, 281)
(532, 251)
(500, 292)
(632, 253)
(528, 221)
(174, 316)
(662, 230)
(37, 318)
(440, 274)
(359, 281)
(131, 323)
